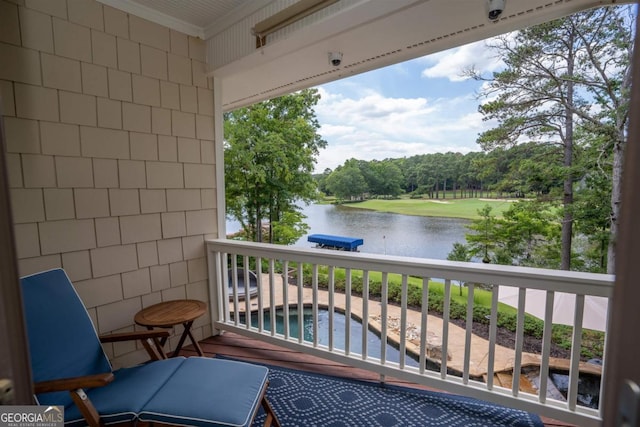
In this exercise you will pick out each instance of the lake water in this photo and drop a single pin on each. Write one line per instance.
(382, 232)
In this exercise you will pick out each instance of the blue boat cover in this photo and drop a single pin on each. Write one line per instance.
(348, 243)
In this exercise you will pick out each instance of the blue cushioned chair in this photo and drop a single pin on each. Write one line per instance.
(71, 369)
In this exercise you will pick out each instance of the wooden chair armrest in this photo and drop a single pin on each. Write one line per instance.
(135, 335)
(67, 384)
(152, 340)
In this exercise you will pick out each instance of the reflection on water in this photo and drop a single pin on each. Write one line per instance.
(383, 232)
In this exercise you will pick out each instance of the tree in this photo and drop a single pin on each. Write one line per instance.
(270, 152)
(321, 180)
(525, 230)
(555, 73)
(473, 171)
(389, 178)
(527, 234)
(459, 252)
(484, 239)
(592, 207)
(609, 34)
(347, 182)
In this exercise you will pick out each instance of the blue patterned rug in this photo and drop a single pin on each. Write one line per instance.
(306, 399)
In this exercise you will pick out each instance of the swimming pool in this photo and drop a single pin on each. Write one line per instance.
(374, 346)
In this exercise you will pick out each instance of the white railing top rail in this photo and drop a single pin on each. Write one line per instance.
(525, 277)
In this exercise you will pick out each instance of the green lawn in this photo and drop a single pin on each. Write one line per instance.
(448, 208)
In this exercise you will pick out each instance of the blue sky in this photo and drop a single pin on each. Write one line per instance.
(421, 106)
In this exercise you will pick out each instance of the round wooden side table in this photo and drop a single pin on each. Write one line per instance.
(170, 313)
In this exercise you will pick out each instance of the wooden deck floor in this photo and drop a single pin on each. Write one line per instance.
(242, 348)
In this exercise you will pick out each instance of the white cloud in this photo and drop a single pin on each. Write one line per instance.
(378, 127)
(452, 64)
(329, 130)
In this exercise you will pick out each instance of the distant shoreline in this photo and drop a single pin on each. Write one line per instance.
(466, 208)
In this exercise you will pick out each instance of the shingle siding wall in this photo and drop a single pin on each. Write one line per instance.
(109, 129)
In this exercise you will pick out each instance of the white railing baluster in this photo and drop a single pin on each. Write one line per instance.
(223, 303)
(403, 320)
(300, 304)
(332, 291)
(446, 310)
(285, 300)
(365, 314)
(546, 346)
(517, 363)
(424, 315)
(576, 347)
(314, 302)
(234, 281)
(384, 300)
(603, 361)
(467, 337)
(272, 296)
(493, 327)
(247, 294)
(260, 294)
(347, 312)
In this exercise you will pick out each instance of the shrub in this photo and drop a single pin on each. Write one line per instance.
(481, 314)
(533, 326)
(414, 295)
(375, 288)
(436, 303)
(394, 292)
(356, 285)
(457, 310)
(508, 320)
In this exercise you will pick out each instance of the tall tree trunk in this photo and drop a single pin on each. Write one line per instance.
(603, 254)
(616, 175)
(616, 200)
(567, 201)
(258, 218)
(258, 227)
(258, 230)
(271, 212)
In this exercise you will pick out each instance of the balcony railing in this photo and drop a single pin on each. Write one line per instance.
(448, 357)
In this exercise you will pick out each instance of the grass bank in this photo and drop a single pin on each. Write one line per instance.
(448, 208)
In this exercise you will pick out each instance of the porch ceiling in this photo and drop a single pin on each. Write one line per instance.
(370, 33)
(192, 17)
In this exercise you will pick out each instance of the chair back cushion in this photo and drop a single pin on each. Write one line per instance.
(62, 340)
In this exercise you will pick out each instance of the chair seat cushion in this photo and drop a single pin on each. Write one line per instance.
(123, 399)
(209, 393)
